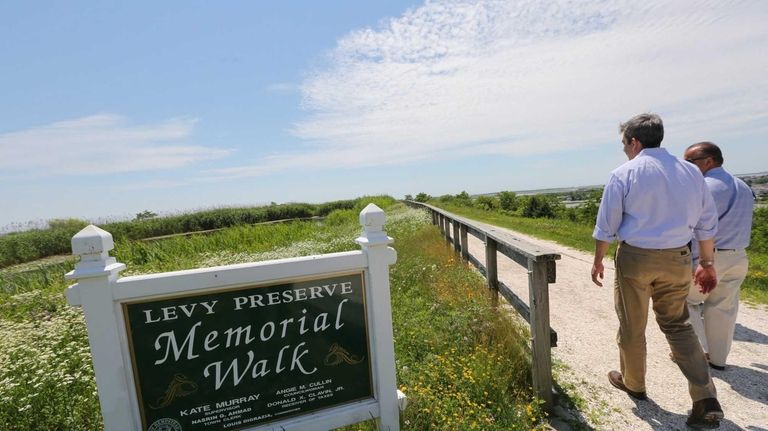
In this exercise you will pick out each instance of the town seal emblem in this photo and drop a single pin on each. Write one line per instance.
(165, 424)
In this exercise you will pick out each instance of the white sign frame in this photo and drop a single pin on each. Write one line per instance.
(100, 291)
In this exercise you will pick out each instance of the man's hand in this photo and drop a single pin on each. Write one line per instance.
(601, 247)
(705, 278)
(597, 273)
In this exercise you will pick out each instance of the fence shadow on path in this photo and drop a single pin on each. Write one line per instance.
(742, 333)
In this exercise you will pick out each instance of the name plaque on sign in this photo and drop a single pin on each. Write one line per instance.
(236, 358)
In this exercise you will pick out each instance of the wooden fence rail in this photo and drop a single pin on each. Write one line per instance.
(541, 268)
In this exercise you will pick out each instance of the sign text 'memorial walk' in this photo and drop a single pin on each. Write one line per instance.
(303, 343)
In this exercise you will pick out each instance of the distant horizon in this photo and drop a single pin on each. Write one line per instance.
(117, 218)
(593, 186)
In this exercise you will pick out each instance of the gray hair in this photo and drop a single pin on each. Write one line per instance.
(647, 128)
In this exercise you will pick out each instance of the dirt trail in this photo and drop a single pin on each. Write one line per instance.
(586, 324)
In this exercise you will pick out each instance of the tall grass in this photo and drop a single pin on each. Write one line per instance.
(462, 364)
(26, 246)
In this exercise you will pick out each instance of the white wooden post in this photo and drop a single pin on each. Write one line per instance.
(95, 274)
(374, 242)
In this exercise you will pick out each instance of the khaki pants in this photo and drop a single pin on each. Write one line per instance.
(663, 276)
(713, 315)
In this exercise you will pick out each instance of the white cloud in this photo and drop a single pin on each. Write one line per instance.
(458, 78)
(101, 144)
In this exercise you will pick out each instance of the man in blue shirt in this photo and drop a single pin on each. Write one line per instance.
(713, 315)
(654, 205)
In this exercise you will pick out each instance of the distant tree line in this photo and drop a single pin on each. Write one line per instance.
(532, 206)
(552, 205)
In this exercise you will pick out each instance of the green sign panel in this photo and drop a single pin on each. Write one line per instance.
(237, 358)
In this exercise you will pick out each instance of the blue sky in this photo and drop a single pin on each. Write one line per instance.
(112, 108)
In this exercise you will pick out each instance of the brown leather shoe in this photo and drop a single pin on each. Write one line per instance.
(706, 413)
(617, 380)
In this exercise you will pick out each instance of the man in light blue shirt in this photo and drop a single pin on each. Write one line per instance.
(654, 205)
(713, 315)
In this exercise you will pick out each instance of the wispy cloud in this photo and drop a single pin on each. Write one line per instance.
(458, 78)
(101, 144)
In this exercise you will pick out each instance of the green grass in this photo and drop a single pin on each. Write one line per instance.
(20, 247)
(755, 287)
(579, 236)
(565, 232)
(462, 365)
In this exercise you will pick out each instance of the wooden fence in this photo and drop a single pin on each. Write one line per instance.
(541, 271)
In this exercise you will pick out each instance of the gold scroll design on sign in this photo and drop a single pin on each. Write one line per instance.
(337, 355)
(180, 386)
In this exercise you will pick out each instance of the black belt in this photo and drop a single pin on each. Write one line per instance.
(725, 249)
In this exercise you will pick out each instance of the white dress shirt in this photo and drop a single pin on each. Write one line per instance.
(656, 201)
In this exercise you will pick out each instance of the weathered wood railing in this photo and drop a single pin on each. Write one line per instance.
(541, 271)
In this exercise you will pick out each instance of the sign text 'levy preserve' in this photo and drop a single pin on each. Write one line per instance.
(232, 359)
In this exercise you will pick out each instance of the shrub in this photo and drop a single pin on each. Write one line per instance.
(537, 207)
(487, 203)
(463, 199)
(759, 241)
(508, 201)
(423, 197)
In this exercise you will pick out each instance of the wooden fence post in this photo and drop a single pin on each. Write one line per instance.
(456, 239)
(490, 268)
(464, 243)
(538, 294)
(447, 227)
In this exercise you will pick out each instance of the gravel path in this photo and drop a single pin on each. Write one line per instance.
(586, 324)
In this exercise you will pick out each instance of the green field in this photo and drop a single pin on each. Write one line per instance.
(574, 231)
(31, 245)
(462, 365)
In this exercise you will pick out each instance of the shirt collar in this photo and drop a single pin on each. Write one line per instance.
(714, 171)
(652, 152)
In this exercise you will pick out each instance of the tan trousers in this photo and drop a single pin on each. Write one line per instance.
(663, 276)
(713, 315)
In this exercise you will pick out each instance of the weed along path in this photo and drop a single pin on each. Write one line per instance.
(586, 325)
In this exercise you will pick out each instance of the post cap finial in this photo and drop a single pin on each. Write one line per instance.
(372, 218)
(92, 241)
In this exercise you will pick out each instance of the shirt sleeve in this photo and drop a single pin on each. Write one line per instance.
(610, 212)
(706, 228)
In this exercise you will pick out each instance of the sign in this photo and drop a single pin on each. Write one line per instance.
(236, 358)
